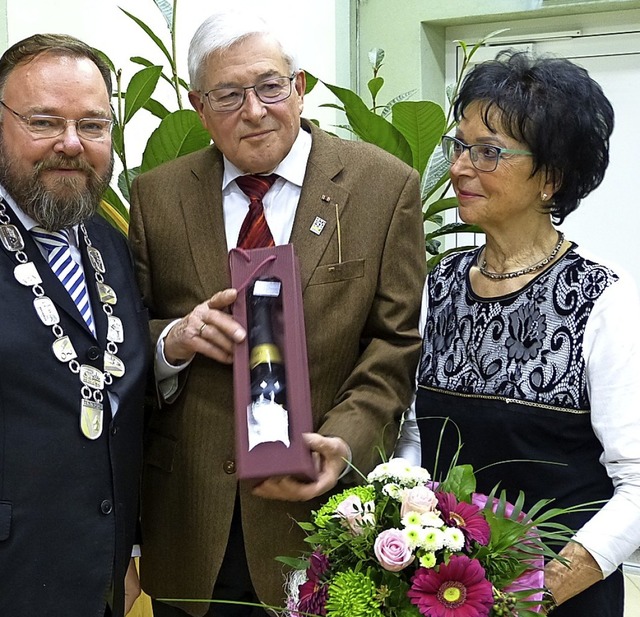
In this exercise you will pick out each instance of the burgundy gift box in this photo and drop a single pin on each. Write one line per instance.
(270, 371)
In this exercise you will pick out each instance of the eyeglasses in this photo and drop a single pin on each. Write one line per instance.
(483, 156)
(42, 126)
(269, 91)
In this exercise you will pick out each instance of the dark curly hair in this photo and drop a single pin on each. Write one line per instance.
(555, 108)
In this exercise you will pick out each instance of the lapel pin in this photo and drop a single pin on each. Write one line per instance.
(317, 226)
(326, 198)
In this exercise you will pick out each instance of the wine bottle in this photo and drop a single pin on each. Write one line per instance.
(267, 415)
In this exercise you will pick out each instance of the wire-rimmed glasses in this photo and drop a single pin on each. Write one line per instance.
(43, 126)
(484, 157)
(269, 91)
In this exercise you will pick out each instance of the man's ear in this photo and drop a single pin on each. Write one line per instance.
(197, 102)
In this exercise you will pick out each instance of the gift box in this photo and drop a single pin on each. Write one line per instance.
(270, 370)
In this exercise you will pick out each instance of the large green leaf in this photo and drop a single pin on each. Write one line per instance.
(370, 127)
(179, 133)
(151, 34)
(156, 108)
(144, 62)
(435, 174)
(141, 87)
(114, 211)
(117, 139)
(441, 205)
(422, 124)
(125, 180)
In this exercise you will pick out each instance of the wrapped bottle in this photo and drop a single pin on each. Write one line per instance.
(268, 418)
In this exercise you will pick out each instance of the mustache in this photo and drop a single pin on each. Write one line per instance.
(60, 161)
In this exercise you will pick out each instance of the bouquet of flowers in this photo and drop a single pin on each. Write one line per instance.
(404, 546)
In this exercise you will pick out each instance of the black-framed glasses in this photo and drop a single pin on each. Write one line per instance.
(43, 126)
(483, 156)
(269, 91)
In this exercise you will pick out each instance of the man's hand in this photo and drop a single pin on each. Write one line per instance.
(131, 586)
(208, 330)
(329, 453)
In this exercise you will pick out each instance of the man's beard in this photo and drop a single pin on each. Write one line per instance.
(69, 202)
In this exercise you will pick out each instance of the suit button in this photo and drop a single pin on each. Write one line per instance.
(229, 467)
(93, 353)
(114, 430)
(106, 507)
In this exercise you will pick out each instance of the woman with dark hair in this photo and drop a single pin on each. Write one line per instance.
(531, 352)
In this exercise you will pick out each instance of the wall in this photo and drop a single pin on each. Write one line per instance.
(412, 33)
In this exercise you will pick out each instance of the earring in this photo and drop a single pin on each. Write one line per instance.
(545, 197)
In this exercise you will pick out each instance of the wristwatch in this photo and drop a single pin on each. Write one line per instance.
(548, 601)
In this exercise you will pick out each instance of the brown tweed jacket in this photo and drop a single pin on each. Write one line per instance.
(361, 315)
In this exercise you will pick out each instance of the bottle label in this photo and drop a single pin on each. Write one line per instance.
(267, 421)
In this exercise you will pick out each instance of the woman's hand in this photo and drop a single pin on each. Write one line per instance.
(581, 571)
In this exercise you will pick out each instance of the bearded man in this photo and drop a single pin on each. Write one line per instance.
(73, 342)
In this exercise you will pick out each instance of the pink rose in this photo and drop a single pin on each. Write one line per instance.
(392, 550)
(418, 499)
(355, 514)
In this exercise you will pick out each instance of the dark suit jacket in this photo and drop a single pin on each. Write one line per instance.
(361, 317)
(68, 505)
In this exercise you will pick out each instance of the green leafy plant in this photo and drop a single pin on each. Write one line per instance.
(410, 130)
(179, 132)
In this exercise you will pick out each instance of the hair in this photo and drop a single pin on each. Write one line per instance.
(222, 30)
(55, 44)
(555, 108)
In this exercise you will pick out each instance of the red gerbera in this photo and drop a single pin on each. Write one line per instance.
(457, 589)
(465, 516)
(313, 592)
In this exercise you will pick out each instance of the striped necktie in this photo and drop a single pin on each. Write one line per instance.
(255, 232)
(56, 247)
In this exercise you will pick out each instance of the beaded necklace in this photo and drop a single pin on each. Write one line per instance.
(499, 276)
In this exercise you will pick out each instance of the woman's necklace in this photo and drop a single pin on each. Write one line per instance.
(500, 276)
(92, 380)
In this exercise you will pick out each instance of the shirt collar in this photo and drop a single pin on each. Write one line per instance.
(292, 168)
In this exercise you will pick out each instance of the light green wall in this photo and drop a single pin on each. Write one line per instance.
(412, 33)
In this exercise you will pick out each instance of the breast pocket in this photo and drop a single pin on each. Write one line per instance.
(334, 273)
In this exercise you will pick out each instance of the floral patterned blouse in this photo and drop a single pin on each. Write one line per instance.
(549, 370)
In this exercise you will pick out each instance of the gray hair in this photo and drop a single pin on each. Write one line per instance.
(221, 31)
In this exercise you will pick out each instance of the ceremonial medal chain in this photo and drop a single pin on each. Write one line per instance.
(93, 380)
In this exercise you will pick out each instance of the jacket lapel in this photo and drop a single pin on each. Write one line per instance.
(321, 199)
(201, 207)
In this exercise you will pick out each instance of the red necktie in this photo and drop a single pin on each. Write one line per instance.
(255, 232)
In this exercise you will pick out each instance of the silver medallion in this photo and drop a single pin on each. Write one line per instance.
(113, 365)
(107, 295)
(96, 259)
(115, 331)
(27, 274)
(11, 238)
(47, 311)
(63, 349)
(92, 377)
(91, 418)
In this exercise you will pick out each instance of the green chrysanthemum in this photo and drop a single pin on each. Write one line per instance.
(328, 510)
(354, 594)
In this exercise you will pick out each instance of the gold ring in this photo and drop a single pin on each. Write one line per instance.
(202, 327)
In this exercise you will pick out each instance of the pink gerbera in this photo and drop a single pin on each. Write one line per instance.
(456, 589)
(467, 517)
